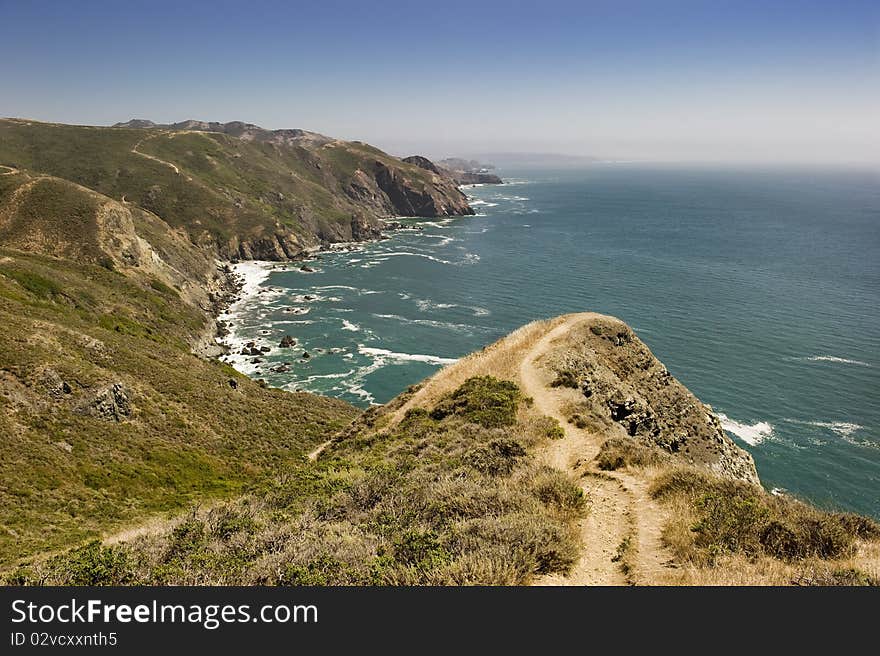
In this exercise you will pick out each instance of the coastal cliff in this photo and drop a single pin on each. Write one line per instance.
(236, 189)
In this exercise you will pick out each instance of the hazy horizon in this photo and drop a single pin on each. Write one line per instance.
(694, 81)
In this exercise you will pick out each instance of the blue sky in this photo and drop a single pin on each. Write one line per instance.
(672, 80)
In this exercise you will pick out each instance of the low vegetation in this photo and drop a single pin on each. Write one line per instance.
(717, 522)
(453, 494)
(620, 452)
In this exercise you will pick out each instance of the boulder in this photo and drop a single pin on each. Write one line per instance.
(110, 403)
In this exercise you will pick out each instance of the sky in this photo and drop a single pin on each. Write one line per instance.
(656, 80)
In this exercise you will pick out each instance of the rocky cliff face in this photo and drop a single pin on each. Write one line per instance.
(624, 391)
(411, 197)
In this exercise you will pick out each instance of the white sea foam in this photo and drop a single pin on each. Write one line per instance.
(426, 305)
(844, 429)
(444, 239)
(836, 359)
(429, 322)
(752, 434)
(252, 274)
(348, 325)
(385, 354)
(411, 254)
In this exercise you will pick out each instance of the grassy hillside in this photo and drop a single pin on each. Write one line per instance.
(453, 494)
(246, 198)
(105, 415)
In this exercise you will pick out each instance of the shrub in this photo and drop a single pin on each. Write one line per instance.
(422, 549)
(735, 517)
(186, 537)
(556, 490)
(729, 524)
(555, 431)
(323, 570)
(483, 400)
(845, 577)
(579, 420)
(95, 564)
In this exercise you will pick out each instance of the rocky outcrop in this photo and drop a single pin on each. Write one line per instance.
(464, 178)
(626, 392)
(423, 163)
(412, 198)
(111, 403)
(465, 172)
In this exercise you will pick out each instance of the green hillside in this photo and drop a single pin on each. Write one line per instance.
(106, 416)
(265, 198)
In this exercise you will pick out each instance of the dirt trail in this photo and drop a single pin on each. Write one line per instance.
(152, 157)
(621, 533)
(313, 455)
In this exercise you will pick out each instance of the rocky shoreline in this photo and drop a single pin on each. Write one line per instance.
(230, 286)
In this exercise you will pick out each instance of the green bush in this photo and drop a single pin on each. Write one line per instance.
(483, 400)
(323, 570)
(95, 564)
(422, 549)
(556, 490)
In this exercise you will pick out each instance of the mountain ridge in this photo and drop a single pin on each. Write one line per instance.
(236, 189)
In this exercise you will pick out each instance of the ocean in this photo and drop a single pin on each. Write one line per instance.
(758, 288)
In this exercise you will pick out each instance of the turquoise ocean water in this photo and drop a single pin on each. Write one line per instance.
(759, 289)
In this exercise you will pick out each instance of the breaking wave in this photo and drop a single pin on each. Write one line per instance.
(752, 434)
